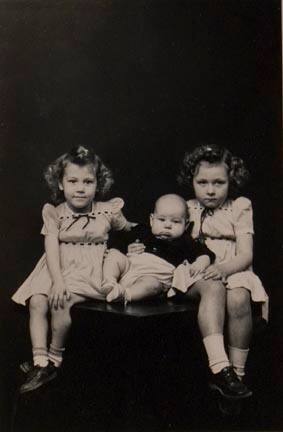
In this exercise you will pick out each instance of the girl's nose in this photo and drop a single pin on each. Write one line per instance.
(168, 224)
(210, 189)
(80, 187)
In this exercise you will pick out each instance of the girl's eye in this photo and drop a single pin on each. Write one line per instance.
(89, 182)
(176, 221)
(161, 219)
(72, 181)
(202, 182)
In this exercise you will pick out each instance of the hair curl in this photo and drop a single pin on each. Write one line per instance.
(79, 155)
(237, 172)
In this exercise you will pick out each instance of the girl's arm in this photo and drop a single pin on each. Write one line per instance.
(199, 265)
(59, 290)
(241, 262)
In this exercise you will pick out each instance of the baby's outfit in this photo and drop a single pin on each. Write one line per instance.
(218, 228)
(82, 244)
(162, 258)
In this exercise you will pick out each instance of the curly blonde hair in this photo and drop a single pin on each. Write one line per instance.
(79, 155)
(237, 172)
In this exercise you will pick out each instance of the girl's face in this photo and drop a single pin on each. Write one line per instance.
(211, 184)
(79, 185)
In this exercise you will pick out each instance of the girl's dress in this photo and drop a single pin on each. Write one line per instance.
(219, 228)
(82, 242)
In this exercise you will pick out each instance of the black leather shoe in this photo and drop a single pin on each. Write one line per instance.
(228, 384)
(26, 366)
(39, 376)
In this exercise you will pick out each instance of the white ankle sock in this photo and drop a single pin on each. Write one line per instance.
(217, 357)
(238, 358)
(56, 355)
(40, 356)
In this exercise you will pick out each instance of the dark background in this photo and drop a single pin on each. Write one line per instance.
(142, 81)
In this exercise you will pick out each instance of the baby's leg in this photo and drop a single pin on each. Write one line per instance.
(38, 324)
(114, 266)
(239, 327)
(61, 322)
(144, 287)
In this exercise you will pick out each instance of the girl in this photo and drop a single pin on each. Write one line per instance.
(225, 224)
(70, 271)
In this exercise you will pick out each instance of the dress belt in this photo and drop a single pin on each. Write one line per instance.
(85, 243)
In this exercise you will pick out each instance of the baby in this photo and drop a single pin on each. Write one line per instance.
(167, 246)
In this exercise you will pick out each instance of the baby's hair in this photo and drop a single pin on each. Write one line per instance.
(173, 197)
(79, 155)
(237, 172)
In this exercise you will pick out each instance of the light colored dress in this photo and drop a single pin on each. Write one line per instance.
(83, 242)
(220, 228)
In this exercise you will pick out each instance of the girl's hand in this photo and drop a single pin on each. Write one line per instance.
(135, 248)
(199, 265)
(59, 294)
(214, 272)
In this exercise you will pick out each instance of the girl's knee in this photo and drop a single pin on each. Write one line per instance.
(211, 288)
(38, 304)
(60, 318)
(238, 302)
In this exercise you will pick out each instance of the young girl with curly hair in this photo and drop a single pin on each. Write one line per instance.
(76, 232)
(223, 220)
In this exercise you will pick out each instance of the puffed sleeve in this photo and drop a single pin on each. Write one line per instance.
(50, 220)
(243, 216)
(118, 220)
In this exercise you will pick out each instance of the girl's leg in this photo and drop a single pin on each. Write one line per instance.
(212, 296)
(239, 327)
(211, 314)
(61, 322)
(38, 325)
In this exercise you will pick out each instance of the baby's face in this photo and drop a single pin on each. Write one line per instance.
(168, 220)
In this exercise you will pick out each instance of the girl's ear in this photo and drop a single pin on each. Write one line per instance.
(60, 186)
(151, 219)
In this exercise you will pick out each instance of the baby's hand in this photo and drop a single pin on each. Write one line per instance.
(59, 294)
(135, 248)
(199, 265)
(214, 272)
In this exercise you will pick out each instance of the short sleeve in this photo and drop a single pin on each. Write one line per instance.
(118, 220)
(190, 206)
(243, 216)
(50, 220)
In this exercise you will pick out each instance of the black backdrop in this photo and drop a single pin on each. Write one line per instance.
(142, 81)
